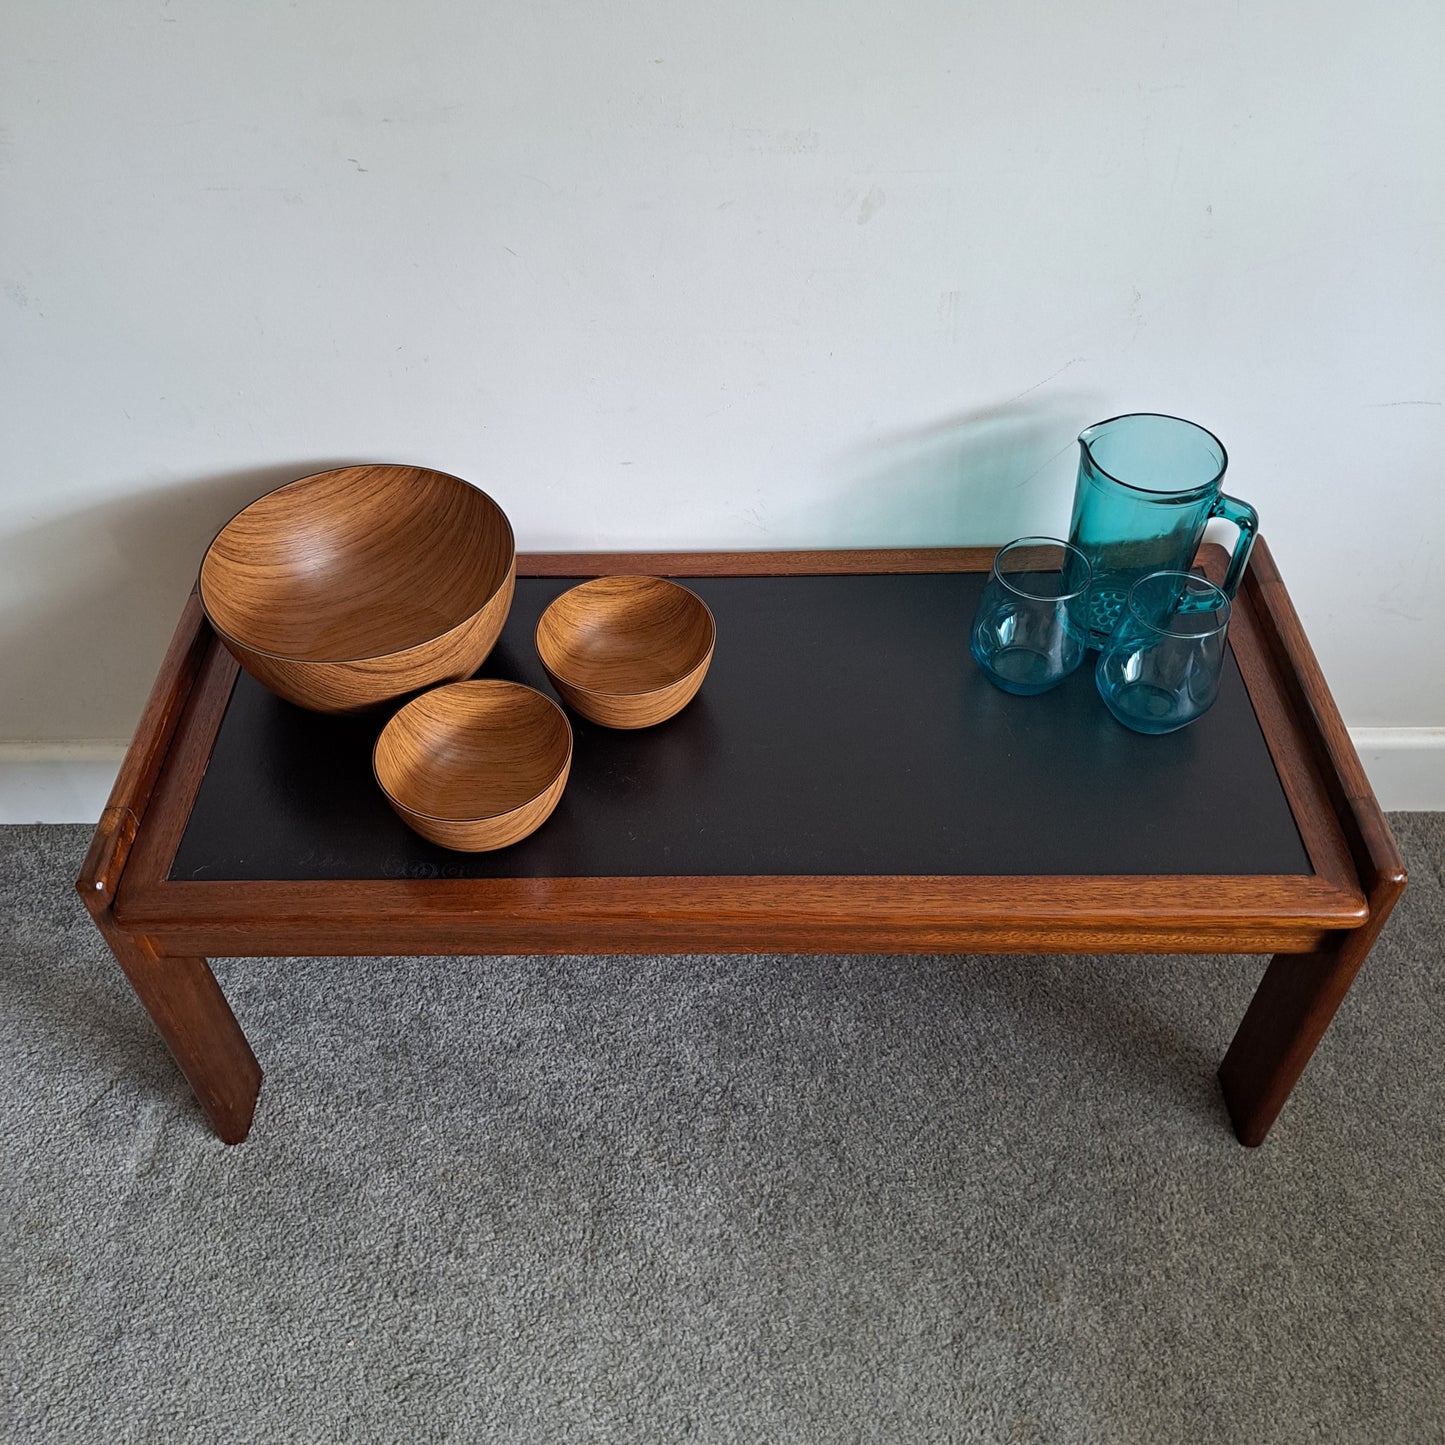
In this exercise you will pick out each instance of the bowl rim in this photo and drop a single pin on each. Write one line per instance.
(291, 658)
(493, 682)
(563, 679)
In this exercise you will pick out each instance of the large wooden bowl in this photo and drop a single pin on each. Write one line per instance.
(627, 652)
(475, 765)
(353, 587)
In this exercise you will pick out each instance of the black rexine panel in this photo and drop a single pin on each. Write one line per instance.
(843, 729)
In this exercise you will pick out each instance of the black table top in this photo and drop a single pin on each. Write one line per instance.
(843, 729)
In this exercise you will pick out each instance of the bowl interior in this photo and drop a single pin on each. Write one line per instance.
(472, 750)
(356, 563)
(625, 635)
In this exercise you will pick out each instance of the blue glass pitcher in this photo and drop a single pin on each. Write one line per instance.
(1147, 486)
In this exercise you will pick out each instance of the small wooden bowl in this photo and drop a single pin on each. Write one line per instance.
(627, 652)
(475, 765)
(350, 588)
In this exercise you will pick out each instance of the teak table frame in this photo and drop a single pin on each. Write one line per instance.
(1319, 927)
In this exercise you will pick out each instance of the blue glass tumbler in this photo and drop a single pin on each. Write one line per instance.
(1031, 627)
(1160, 668)
(1147, 487)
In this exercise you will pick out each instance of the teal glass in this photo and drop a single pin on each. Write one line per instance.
(1030, 630)
(1147, 487)
(1160, 668)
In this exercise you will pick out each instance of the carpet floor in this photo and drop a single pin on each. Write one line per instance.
(717, 1198)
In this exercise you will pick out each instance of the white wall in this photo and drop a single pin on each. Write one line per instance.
(685, 274)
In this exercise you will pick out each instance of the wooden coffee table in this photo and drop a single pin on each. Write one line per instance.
(846, 781)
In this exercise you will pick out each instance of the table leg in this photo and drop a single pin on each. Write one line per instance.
(1286, 1018)
(186, 1004)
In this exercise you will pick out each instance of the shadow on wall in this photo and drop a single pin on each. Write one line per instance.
(983, 476)
(97, 594)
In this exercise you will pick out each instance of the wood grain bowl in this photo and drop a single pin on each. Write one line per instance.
(353, 587)
(475, 765)
(627, 652)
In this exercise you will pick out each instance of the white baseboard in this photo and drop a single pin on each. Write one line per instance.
(69, 782)
(56, 782)
(1405, 766)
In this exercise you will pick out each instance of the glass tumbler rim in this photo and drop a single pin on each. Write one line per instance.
(1193, 579)
(1198, 489)
(1066, 548)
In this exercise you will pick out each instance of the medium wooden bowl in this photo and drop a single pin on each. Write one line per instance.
(627, 652)
(352, 587)
(475, 765)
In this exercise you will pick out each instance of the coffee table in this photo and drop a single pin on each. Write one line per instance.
(846, 781)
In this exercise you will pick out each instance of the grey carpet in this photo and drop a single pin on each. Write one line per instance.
(717, 1199)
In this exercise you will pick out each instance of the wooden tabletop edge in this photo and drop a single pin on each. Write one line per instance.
(1209, 903)
(130, 794)
(1377, 854)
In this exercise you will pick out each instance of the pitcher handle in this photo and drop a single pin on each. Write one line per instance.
(1231, 509)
